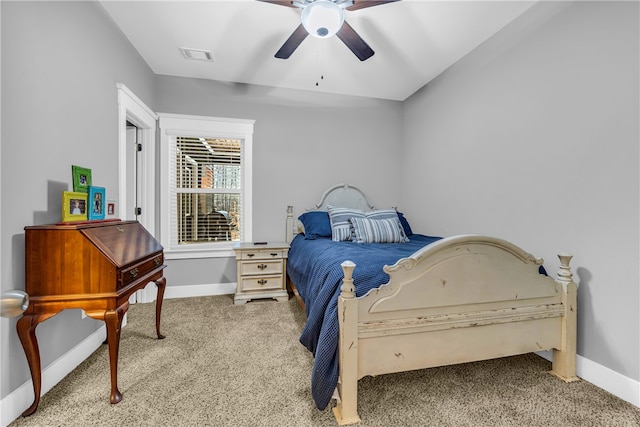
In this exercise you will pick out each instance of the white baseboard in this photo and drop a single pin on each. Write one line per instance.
(617, 384)
(16, 402)
(199, 290)
(150, 292)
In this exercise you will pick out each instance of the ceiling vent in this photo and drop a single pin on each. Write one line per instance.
(197, 54)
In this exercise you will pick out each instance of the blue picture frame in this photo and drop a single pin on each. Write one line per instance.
(96, 201)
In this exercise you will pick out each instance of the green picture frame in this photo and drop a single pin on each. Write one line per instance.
(74, 206)
(81, 178)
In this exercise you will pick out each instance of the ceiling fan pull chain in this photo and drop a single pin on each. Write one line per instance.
(320, 58)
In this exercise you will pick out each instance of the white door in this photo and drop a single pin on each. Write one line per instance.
(134, 176)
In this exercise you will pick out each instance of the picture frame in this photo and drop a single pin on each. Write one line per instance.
(96, 202)
(81, 178)
(111, 209)
(74, 206)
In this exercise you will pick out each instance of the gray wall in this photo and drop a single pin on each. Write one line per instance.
(60, 65)
(534, 137)
(326, 139)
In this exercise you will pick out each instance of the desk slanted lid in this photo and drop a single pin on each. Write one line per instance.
(123, 242)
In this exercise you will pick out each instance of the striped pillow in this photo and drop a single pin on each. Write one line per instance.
(382, 214)
(386, 230)
(340, 225)
(387, 213)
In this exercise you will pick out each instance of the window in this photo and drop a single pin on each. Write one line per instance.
(206, 185)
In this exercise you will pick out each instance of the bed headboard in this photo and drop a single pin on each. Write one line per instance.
(344, 196)
(341, 195)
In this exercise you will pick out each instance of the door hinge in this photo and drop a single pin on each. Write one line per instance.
(139, 147)
(137, 211)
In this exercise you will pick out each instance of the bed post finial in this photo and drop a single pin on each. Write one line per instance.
(347, 289)
(289, 232)
(565, 276)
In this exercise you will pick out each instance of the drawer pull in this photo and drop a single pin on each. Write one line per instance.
(156, 261)
(274, 254)
(251, 255)
(134, 273)
(262, 266)
(262, 282)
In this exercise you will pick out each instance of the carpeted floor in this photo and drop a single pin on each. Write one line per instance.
(226, 365)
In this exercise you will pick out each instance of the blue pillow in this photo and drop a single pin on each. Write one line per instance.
(316, 224)
(405, 224)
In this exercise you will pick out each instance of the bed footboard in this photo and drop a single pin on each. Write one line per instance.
(461, 299)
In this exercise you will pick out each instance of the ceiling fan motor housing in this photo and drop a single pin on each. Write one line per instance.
(322, 18)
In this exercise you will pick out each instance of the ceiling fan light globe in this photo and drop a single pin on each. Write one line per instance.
(322, 18)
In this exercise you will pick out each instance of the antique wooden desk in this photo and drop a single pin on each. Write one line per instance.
(94, 266)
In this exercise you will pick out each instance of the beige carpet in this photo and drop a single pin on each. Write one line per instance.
(226, 365)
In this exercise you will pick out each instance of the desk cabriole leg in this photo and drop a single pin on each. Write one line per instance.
(161, 284)
(113, 321)
(26, 328)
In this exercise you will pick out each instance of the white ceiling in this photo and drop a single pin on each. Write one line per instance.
(413, 40)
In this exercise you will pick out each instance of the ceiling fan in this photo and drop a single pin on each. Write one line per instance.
(323, 19)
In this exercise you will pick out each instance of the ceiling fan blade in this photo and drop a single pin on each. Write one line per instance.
(354, 42)
(287, 3)
(361, 4)
(292, 42)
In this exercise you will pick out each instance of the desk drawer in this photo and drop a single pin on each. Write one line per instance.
(131, 273)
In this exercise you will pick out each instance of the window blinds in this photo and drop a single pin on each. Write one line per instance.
(207, 188)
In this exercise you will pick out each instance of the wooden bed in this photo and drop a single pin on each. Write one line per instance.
(461, 299)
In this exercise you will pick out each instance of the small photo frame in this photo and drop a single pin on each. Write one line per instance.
(111, 209)
(96, 200)
(74, 206)
(81, 179)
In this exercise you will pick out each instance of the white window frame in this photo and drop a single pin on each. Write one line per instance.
(174, 125)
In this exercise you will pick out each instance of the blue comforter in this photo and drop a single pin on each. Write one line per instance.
(314, 267)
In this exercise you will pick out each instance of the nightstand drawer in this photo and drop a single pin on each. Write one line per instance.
(262, 254)
(261, 283)
(261, 267)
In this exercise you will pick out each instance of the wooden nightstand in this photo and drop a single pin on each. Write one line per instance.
(262, 270)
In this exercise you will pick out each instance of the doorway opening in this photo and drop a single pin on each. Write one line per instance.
(137, 169)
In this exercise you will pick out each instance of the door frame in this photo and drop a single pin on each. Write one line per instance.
(132, 109)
